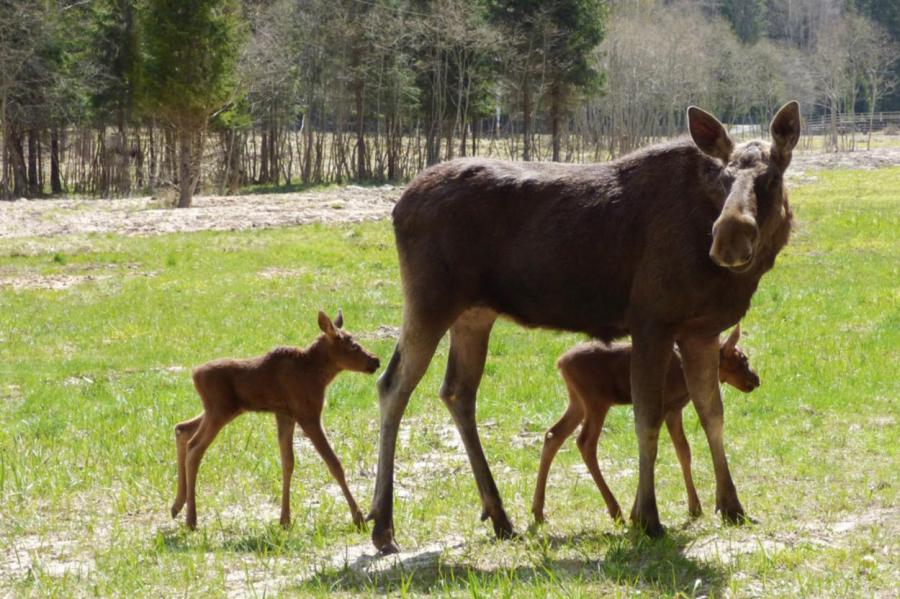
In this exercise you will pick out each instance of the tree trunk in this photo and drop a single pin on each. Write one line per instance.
(55, 183)
(264, 158)
(360, 130)
(33, 189)
(17, 157)
(555, 110)
(185, 179)
(526, 121)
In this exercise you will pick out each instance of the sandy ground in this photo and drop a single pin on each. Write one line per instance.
(145, 216)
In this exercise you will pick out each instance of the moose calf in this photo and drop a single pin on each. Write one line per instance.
(597, 377)
(289, 382)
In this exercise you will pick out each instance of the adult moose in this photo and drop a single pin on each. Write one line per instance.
(667, 244)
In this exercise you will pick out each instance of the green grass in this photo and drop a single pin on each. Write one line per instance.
(93, 379)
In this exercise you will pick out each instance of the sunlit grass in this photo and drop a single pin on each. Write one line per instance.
(94, 376)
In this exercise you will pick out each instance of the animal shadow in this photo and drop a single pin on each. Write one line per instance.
(624, 557)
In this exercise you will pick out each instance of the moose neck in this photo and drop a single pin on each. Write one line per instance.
(323, 367)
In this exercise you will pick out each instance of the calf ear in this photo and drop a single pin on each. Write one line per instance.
(709, 134)
(339, 319)
(325, 324)
(732, 340)
(785, 130)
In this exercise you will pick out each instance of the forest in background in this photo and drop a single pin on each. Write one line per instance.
(114, 97)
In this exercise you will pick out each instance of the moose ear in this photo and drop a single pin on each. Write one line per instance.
(325, 324)
(732, 340)
(339, 319)
(785, 130)
(709, 134)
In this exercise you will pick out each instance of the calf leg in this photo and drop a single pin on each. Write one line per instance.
(700, 357)
(419, 337)
(683, 451)
(196, 447)
(587, 445)
(286, 446)
(315, 433)
(468, 349)
(649, 364)
(553, 440)
(183, 432)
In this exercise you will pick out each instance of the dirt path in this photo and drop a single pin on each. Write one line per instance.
(144, 216)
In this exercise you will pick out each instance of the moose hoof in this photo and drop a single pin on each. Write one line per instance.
(651, 528)
(285, 523)
(732, 513)
(383, 539)
(176, 509)
(539, 517)
(503, 528)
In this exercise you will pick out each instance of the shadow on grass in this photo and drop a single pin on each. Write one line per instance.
(626, 558)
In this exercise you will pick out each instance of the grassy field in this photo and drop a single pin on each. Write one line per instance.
(97, 335)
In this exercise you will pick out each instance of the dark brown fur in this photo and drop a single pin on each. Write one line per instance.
(289, 382)
(667, 244)
(597, 377)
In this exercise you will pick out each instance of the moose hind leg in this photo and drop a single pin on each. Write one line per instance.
(286, 448)
(553, 440)
(683, 450)
(419, 337)
(469, 337)
(183, 432)
(587, 445)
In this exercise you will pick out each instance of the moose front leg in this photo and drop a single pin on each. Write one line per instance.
(700, 358)
(649, 364)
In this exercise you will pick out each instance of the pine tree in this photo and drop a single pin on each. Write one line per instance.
(191, 47)
(747, 17)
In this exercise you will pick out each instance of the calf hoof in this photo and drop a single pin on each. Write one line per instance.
(539, 517)
(615, 512)
(176, 508)
(359, 521)
(191, 522)
(695, 511)
(285, 522)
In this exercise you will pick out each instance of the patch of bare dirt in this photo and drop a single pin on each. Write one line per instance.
(805, 164)
(820, 533)
(53, 555)
(55, 282)
(79, 275)
(144, 216)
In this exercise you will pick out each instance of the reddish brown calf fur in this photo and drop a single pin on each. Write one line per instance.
(597, 377)
(289, 382)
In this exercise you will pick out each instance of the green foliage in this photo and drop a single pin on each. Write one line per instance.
(115, 47)
(191, 49)
(747, 18)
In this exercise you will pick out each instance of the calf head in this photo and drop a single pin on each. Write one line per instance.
(734, 367)
(343, 350)
(756, 201)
